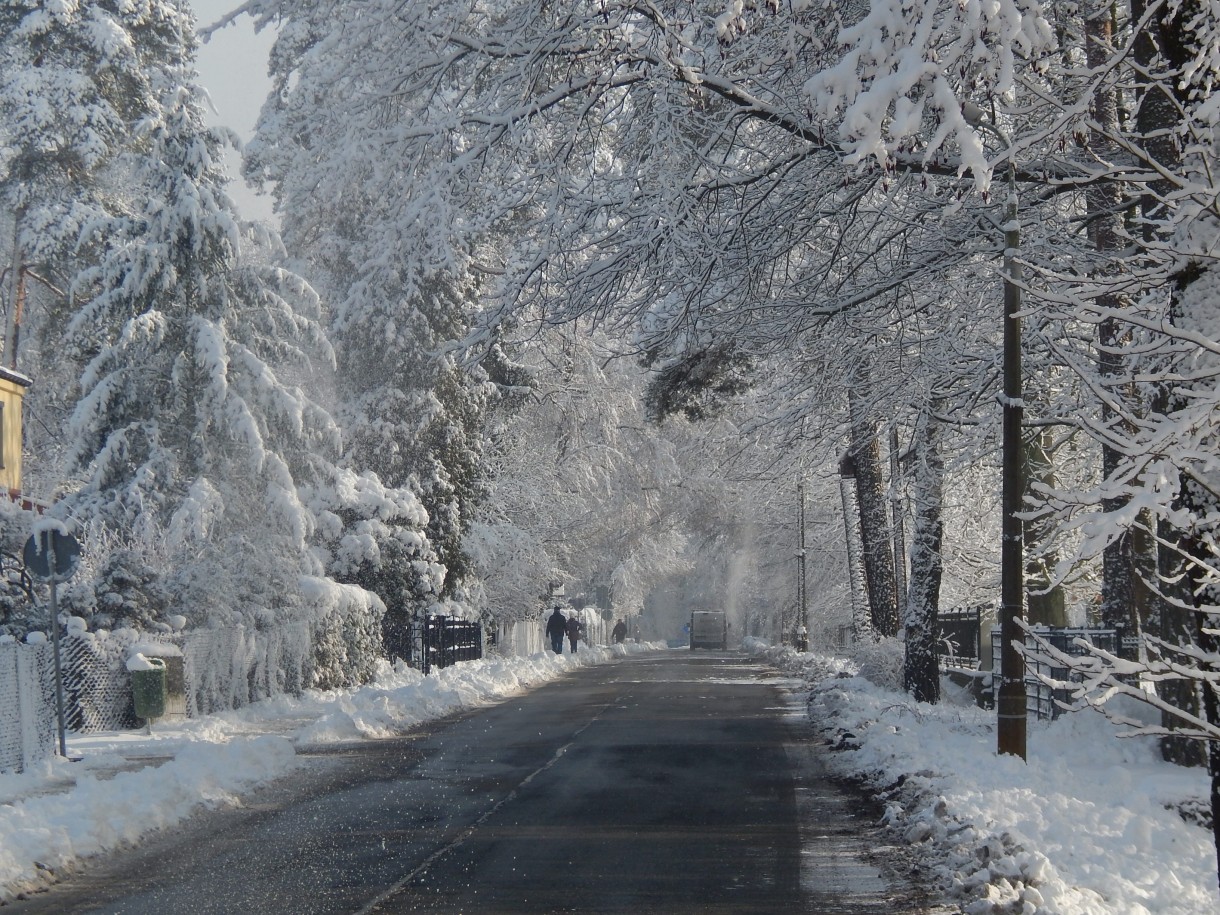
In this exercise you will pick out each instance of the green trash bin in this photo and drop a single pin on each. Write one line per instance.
(148, 688)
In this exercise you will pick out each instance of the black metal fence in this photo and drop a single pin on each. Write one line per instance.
(433, 642)
(448, 641)
(1041, 700)
(959, 635)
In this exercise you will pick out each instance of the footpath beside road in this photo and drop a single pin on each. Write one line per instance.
(673, 782)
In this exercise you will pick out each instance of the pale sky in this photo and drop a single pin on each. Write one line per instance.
(233, 68)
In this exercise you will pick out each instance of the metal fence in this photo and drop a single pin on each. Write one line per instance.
(447, 641)
(1041, 700)
(959, 635)
(27, 705)
(210, 670)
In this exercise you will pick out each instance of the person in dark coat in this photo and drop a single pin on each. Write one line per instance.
(573, 632)
(620, 632)
(556, 626)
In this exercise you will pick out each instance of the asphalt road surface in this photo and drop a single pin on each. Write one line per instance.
(669, 783)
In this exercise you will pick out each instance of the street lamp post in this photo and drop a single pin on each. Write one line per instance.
(801, 598)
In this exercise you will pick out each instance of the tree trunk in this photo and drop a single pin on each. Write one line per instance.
(921, 673)
(1160, 46)
(874, 527)
(898, 522)
(1045, 605)
(1104, 200)
(861, 619)
(1181, 48)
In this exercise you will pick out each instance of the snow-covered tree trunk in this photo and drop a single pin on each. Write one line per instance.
(921, 672)
(1188, 44)
(1104, 201)
(1157, 117)
(861, 618)
(1046, 602)
(878, 555)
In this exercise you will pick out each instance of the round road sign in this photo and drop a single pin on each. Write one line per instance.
(51, 555)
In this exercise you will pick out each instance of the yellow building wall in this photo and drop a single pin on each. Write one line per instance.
(11, 396)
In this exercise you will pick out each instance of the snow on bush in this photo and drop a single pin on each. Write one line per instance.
(347, 632)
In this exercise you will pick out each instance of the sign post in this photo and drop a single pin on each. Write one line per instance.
(53, 556)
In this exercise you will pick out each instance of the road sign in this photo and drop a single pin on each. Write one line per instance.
(51, 555)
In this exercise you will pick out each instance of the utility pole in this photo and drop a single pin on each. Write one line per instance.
(1011, 724)
(801, 602)
(1011, 707)
(900, 545)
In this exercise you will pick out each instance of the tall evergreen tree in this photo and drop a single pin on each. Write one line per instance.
(193, 428)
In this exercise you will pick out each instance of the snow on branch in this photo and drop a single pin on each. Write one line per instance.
(1104, 677)
(903, 61)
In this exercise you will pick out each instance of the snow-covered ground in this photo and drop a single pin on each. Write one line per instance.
(1092, 824)
(129, 783)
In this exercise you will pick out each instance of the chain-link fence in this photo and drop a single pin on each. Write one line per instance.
(220, 669)
(27, 705)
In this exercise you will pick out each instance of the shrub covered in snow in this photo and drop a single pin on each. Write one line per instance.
(880, 662)
(347, 633)
(18, 611)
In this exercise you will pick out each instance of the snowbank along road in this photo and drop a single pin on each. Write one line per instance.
(669, 783)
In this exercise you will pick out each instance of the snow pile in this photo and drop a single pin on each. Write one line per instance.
(44, 835)
(51, 820)
(1091, 825)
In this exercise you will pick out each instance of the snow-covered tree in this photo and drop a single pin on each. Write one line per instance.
(194, 435)
(183, 425)
(412, 410)
(671, 180)
(74, 77)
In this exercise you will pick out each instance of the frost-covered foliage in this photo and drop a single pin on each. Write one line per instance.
(401, 292)
(805, 187)
(21, 608)
(373, 536)
(183, 425)
(590, 493)
(347, 632)
(74, 78)
(208, 472)
(573, 499)
(906, 64)
(662, 170)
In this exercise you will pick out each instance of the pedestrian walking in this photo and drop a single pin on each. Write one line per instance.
(556, 627)
(573, 632)
(620, 632)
